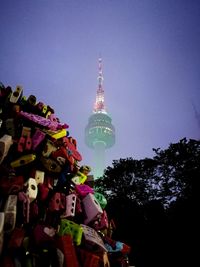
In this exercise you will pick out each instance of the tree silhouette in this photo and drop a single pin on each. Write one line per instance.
(154, 203)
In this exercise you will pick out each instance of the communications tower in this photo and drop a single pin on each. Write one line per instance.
(99, 132)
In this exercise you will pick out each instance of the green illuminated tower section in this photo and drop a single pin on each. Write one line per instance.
(99, 133)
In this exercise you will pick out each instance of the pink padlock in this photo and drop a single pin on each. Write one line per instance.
(102, 222)
(83, 189)
(70, 206)
(92, 208)
(56, 202)
(37, 138)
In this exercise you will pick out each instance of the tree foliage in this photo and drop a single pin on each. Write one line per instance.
(154, 202)
(171, 174)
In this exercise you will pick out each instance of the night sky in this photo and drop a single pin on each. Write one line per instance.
(151, 66)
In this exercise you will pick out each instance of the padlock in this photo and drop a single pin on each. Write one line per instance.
(24, 198)
(92, 237)
(70, 207)
(61, 257)
(16, 238)
(50, 109)
(28, 104)
(65, 244)
(16, 95)
(25, 141)
(43, 192)
(32, 189)
(39, 107)
(43, 121)
(5, 144)
(23, 160)
(10, 127)
(52, 117)
(119, 247)
(23, 102)
(83, 189)
(108, 240)
(39, 177)
(31, 100)
(10, 213)
(21, 144)
(101, 222)
(2, 217)
(57, 203)
(60, 155)
(11, 185)
(49, 148)
(101, 199)
(28, 143)
(88, 259)
(71, 228)
(92, 208)
(51, 165)
(70, 145)
(85, 169)
(57, 134)
(49, 112)
(79, 178)
(16, 109)
(5, 96)
(79, 209)
(44, 110)
(26, 132)
(37, 138)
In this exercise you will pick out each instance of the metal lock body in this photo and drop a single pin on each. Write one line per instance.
(39, 177)
(32, 189)
(102, 222)
(92, 237)
(10, 213)
(49, 148)
(70, 207)
(2, 218)
(92, 208)
(23, 160)
(83, 189)
(25, 141)
(65, 244)
(88, 259)
(57, 202)
(71, 228)
(101, 199)
(5, 144)
(51, 165)
(10, 126)
(37, 138)
(79, 178)
(16, 95)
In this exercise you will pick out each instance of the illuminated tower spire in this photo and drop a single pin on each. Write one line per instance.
(99, 106)
(99, 133)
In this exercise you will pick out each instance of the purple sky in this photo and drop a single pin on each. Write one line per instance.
(151, 66)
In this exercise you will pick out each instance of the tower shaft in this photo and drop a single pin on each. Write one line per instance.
(99, 159)
(99, 132)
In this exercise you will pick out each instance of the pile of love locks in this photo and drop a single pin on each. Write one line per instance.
(50, 213)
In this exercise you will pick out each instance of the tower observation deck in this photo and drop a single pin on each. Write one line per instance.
(99, 132)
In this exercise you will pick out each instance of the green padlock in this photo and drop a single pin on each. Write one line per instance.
(101, 199)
